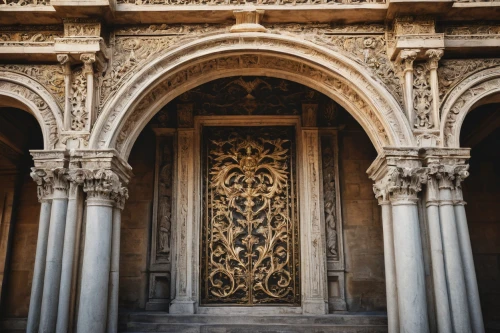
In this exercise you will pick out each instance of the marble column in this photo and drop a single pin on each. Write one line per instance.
(313, 249)
(410, 279)
(52, 278)
(434, 55)
(184, 302)
(438, 268)
(407, 57)
(45, 198)
(476, 316)
(389, 259)
(452, 257)
(114, 274)
(93, 306)
(75, 196)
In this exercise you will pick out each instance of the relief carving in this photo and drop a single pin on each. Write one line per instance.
(164, 217)
(329, 196)
(79, 114)
(422, 96)
(82, 28)
(244, 2)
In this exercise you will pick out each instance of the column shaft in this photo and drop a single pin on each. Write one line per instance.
(476, 315)
(39, 270)
(67, 260)
(92, 313)
(114, 273)
(409, 268)
(313, 252)
(390, 268)
(453, 264)
(438, 271)
(53, 264)
(184, 238)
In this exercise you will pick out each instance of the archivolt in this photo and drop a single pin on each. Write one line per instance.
(38, 101)
(462, 99)
(250, 54)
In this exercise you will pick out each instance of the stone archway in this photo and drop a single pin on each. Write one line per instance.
(35, 99)
(250, 54)
(462, 99)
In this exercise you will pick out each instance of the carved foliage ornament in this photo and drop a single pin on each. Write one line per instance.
(404, 183)
(42, 107)
(341, 87)
(329, 196)
(250, 234)
(422, 96)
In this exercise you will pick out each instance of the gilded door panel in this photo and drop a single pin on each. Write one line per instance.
(250, 239)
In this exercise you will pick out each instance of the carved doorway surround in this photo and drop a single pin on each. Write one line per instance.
(176, 249)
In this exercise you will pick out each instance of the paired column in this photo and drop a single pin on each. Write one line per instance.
(45, 197)
(72, 233)
(100, 186)
(403, 187)
(452, 257)
(53, 263)
(438, 267)
(389, 258)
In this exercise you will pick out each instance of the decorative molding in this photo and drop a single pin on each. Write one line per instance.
(23, 3)
(462, 98)
(263, 3)
(82, 28)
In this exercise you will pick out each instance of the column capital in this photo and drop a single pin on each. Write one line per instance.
(120, 196)
(434, 55)
(408, 56)
(52, 183)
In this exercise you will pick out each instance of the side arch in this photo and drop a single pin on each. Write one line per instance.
(36, 100)
(462, 99)
(224, 55)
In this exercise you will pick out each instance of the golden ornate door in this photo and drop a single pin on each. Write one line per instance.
(250, 233)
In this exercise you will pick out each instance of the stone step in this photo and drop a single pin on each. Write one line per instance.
(167, 323)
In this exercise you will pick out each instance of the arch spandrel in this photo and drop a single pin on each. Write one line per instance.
(218, 56)
(462, 99)
(37, 100)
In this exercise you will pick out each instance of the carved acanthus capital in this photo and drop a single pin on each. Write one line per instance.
(408, 57)
(44, 187)
(100, 184)
(88, 60)
(380, 189)
(120, 196)
(404, 183)
(434, 55)
(64, 60)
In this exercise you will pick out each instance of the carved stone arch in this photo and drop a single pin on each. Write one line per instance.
(224, 55)
(37, 101)
(462, 99)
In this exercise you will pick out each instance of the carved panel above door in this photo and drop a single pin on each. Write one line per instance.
(250, 234)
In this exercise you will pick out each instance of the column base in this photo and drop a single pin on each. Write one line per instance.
(319, 307)
(182, 307)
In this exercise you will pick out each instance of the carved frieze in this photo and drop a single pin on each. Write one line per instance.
(49, 76)
(453, 71)
(29, 35)
(25, 3)
(82, 28)
(244, 2)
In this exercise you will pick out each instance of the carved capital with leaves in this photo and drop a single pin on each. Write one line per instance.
(404, 183)
(88, 60)
(434, 55)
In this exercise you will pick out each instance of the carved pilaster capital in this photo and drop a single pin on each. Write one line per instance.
(100, 184)
(44, 187)
(380, 189)
(88, 60)
(404, 183)
(434, 55)
(408, 56)
(64, 60)
(120, 196)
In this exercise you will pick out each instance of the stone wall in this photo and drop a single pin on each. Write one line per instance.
(23, 247)
(136, 224)
(365, 283)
